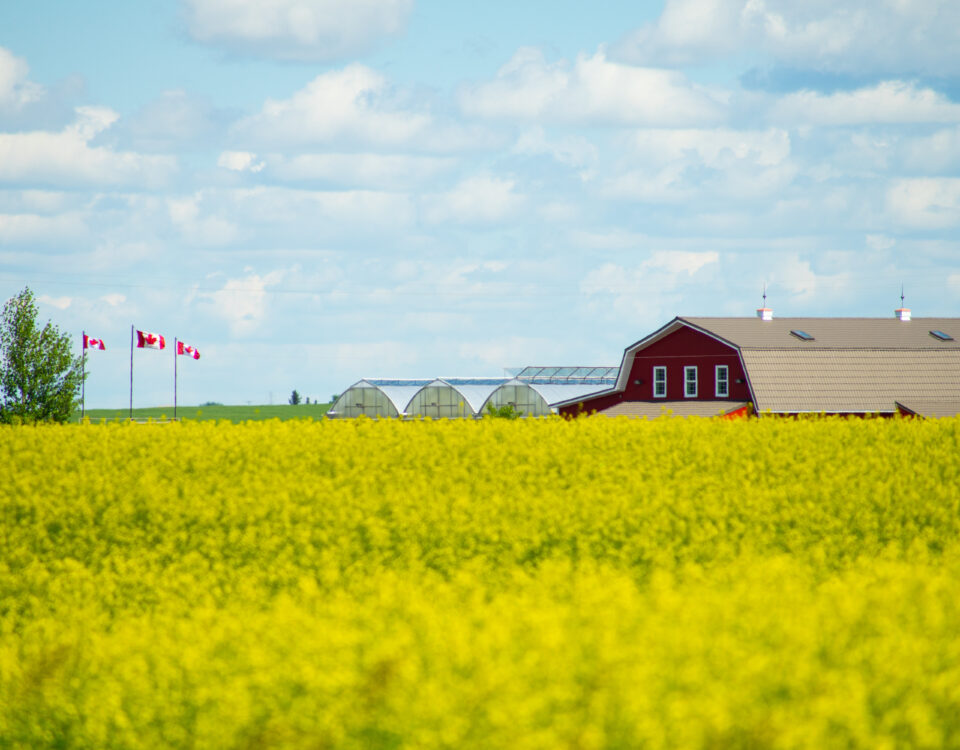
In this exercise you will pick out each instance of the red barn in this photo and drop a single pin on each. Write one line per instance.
(711, 366)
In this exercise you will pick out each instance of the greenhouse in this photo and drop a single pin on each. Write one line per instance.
(535, 399)
(529, 390)
(376, 398)
(568, 375)
(448, 398)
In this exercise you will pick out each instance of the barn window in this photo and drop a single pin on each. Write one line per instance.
(659, 382)
(723, 381)
(689, 382)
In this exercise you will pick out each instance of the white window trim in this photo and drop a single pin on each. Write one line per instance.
(686, 383)
(664, 370)
(726, 380)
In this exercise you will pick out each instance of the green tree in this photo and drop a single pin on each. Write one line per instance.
(294, 398)
(507, 411)
(39, 378)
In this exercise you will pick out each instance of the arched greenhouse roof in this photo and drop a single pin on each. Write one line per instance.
(398, 392)
(553, 392)
(473, 391)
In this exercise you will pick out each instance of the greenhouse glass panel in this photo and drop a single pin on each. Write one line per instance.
(522, 398)
(364, 400)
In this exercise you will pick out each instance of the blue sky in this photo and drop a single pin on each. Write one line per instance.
(315, 191)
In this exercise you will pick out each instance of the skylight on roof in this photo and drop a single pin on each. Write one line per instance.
(803, 335)
(941, 335)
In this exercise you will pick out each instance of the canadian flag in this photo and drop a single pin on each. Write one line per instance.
(91, 343)
(150, 340)
(190, 351)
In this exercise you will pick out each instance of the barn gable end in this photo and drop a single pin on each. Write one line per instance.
(677, 348)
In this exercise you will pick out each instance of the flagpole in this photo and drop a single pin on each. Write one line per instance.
(175, 347)
(131, 371)
(83, 374)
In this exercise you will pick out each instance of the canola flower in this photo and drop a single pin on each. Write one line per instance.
(495, 584)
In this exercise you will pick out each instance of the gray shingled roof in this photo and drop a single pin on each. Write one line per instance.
(833, 333)
(931, 408)
(850, 365)
(850, 380)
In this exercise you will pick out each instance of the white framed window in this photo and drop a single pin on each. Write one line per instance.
(659, 382)
(689, 382)
(722, 381)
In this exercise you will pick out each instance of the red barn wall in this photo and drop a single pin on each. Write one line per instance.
(684, 347)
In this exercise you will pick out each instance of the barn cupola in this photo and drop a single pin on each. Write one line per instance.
(764, 312)
(902, 312)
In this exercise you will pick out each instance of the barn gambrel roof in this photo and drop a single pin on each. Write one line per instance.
(835, 365)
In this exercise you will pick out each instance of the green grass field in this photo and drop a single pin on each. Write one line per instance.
(201, 413)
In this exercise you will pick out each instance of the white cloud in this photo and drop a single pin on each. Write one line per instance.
(374, 358)
(61, 303)
(717, 148)
(242, 302)
(207, 231)
(673, 166)
(507, 351)
(16, 229)
(856, 36)
(175, 119)
(953, 281)
(240, 161)
(359, 211)
(935, 153)
(350, 104)
(687, 31)
(593, 90)
(114, 300)
(310, 30)
(353, 105)
(385, 171)
(575, 151)
(654, 289)
(613, 239)
(67, 158)
(645, 295)
(482, 199)
(44, 202)
(15, 90)
(679, 261)
(880, 242)
(796, 276)
(887, 102)
(925, 203)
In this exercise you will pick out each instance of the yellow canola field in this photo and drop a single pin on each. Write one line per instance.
(494, 584)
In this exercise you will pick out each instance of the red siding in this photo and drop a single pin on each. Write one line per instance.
(684, 347)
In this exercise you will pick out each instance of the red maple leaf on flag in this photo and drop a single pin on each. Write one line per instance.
(149, 340)
(91, 343)
(190, 351)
